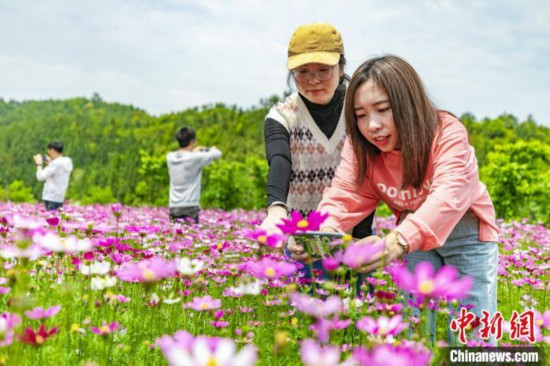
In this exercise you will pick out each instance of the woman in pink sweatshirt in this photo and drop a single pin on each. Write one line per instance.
(403, 151)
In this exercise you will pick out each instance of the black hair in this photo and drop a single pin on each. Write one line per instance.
(185, 135)
(56, 145)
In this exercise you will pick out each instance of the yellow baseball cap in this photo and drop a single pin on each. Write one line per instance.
(314, 43)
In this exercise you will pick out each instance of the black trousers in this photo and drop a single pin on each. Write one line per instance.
(183, 213)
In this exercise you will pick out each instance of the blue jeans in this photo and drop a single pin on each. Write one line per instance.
(471, 257)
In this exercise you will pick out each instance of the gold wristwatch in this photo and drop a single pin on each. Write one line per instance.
(401, 241)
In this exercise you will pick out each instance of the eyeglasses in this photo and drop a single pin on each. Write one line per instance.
(303, 76)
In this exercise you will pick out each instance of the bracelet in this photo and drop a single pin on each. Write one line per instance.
(278, 203)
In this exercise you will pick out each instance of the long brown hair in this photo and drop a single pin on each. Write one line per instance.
(414, 115)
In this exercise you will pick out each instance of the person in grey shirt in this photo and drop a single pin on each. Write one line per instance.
(185, 169)
(56, 175)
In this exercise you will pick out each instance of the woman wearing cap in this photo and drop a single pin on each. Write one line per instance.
(305, 132)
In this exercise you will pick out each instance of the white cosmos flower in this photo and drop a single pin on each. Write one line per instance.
(248, 288)
(188, 266)
(51, 241)
(100, 283)
(97, 268)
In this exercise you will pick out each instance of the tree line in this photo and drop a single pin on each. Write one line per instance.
(119, 154)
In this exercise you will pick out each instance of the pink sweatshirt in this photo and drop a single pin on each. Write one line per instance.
(451, 187)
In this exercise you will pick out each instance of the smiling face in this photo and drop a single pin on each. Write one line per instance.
(315, 89)
(374, 117)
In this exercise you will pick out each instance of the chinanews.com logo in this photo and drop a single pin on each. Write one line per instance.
(490, 328)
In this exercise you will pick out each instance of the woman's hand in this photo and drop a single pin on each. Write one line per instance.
(391, 252)
(275, 215)
(297, 251)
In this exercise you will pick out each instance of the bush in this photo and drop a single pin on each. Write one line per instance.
(16, 191)
(518, 179)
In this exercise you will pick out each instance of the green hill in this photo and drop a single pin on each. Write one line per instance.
(119, 150)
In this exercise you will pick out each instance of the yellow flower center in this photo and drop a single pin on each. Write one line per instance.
(212, 361)
(149, 275)
(262, 239)
(220, 245)
(302, 224)
(347, 237)
(270, 272)
(205, 306)
(105, 329)
(39, 339)
(382, 331)
(426, 287)
(539, 322)
(74, 327)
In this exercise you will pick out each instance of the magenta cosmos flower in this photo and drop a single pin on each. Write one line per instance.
(268, 268)
(203, 303)
(427, 284)
(382, 326)
(269, 240)
(38, 337)
(148, 270)
(39, 313)
(297, 223)
(359, 254)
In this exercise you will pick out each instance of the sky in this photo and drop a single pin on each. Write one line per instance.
(485, 57)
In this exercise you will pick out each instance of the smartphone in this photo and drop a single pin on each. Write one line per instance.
(317, 243)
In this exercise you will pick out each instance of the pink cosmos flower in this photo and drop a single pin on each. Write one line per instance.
(219, 324)
(382, 326)
(8, 322)
(424, 283)
(40, 313)
(323, 327)
(316, 307)
(105, 328)
(359, 254)
(203, 303)
(313, 354)
(297, 223)
(405, 354)
(116, 208)
(545, 319)
(148, 270)
(269, 240)
(269, 268)
(184, 349)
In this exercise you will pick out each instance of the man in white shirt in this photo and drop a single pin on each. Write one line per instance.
(56, 174)
(185, 169)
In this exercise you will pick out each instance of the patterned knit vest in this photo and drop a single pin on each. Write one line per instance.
(314, 156)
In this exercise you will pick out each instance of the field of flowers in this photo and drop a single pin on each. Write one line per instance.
(100, 285)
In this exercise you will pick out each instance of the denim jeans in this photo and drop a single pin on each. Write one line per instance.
(471, 257)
